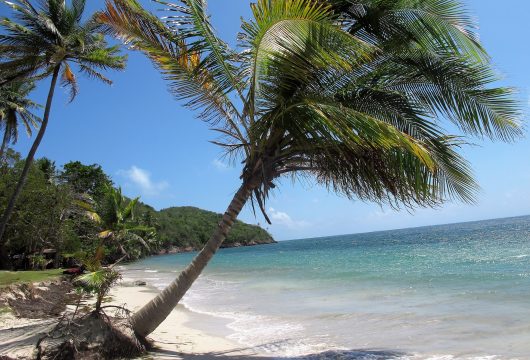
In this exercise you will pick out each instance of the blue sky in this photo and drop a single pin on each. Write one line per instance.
(154, 148)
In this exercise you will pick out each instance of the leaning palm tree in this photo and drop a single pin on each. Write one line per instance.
(47, 40)
(350, 93)
(15, 110)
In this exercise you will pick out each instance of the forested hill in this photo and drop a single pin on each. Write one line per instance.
(191, 227)
(70, 211)
(185, 227)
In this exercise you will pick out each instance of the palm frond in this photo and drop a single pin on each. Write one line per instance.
(70, 81)
(433, 25)
(350, 92)
(37, 39)
(15, 110)
(182, 64)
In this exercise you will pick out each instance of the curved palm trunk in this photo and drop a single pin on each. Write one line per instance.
(29, 160)
(147, 319)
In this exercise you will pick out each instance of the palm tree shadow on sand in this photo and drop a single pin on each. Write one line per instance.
(353, 354)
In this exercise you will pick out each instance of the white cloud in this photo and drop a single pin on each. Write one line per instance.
(219, 165)
(142, 179)
(282, 218)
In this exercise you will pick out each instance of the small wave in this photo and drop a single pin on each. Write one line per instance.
(265, 334)
(159, 285)
(150, 271)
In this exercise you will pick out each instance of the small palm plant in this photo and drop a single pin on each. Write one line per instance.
(16, 110)
(98, 280)
(116, 216)
(50, 40)
(349, 93)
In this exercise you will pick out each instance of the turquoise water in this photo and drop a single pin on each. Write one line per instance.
(457, 291)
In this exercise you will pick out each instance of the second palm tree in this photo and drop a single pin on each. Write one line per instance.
(44, 41)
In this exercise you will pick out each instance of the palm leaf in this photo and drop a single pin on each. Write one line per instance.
(190, 77)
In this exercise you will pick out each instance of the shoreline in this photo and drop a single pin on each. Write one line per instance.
(188, 249)
(176, 337)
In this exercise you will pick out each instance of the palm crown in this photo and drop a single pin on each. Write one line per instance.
(349, 92)
(115, 214)
(40, 38)
(116, 217)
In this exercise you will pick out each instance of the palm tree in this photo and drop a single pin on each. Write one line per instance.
(45, 41)
(349, 93)
(116, 216)
(15, 109)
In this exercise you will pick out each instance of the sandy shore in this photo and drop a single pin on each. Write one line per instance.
(176, 338)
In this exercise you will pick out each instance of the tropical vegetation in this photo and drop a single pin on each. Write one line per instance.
(52, 215)
(188, 227)
(76, 211)
(351, 94)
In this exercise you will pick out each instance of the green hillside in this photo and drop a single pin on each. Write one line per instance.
(67, 209)
(187, 226)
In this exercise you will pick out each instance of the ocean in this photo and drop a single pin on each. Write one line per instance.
(459, 291)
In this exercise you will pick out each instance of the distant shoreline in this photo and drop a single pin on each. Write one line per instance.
(187, 249)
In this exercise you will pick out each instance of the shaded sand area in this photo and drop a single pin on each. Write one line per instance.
(38, 307)
(18, 336)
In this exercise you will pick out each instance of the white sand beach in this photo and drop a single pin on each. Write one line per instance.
(176, 338)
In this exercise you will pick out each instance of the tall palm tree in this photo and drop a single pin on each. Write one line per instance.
(15, 110)
(47, 40)
(350, 93)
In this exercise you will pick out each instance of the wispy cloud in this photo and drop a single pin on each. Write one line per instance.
(142, 179)
(219, 165)
(380, 214)
(282, 218)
